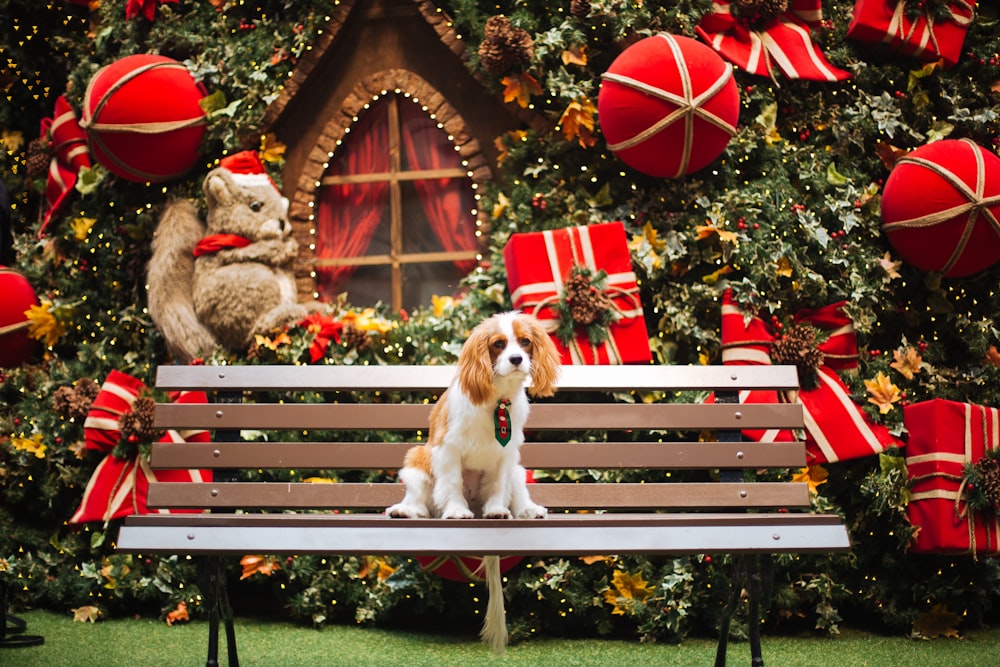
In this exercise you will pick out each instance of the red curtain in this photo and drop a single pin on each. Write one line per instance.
(447, 202)
(349, 214)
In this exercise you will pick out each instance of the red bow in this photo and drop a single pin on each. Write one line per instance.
(784, 41)
(68, 142)
(145, 7)
(119, 487)
(836, 428)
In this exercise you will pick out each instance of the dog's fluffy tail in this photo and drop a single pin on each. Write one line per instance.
(169, 278)
(494, 630)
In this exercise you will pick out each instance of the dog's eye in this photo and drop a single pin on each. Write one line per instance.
(525, 342)
(256, 205)
(499, 343)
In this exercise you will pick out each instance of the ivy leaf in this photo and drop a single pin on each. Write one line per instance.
(212, 103)
(939, 130)
(834, 177)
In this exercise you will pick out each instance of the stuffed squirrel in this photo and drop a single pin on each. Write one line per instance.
(223, 281)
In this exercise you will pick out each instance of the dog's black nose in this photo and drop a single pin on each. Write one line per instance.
(516, 359)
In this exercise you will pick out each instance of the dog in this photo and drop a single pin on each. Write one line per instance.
(470, 465)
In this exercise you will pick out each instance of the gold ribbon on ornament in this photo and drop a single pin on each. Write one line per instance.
(976, 206)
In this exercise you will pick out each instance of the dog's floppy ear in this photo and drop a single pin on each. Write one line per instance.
(545, 362)
(475, 366)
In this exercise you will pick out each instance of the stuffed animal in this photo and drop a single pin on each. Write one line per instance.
(223, 281)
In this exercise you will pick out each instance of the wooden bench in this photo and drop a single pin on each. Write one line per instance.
(727, 512)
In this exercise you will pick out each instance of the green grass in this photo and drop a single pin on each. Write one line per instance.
(148, 643)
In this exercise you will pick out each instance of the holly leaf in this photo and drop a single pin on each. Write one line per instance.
(519, 88)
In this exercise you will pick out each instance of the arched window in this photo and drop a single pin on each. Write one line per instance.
(395, 212)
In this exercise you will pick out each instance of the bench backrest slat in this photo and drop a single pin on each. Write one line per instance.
(534, 455)
(436, 378)
(415, 417)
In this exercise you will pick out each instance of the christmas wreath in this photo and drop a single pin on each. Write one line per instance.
(585, 305)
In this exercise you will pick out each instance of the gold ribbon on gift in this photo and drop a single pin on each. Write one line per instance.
(990, 417)
(897, 26)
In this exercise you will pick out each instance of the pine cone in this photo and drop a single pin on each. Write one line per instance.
(756, 12)
(357, 339)
(586, 303)
(38, 158)
(579, 8)
(988, 469)
(73, 402)
(138, 424)
(798, 348)
(504, 47)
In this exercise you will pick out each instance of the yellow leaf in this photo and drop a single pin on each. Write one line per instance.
(577, 122)
(784, 267)
(650, 236)
(32, 445)
(590, 560)
(938, 622)
(271, 150)
(575, 55)
(705, 231)
(890, 267)
(811, 475)
(44, 325)
(81, 227)
(713, 277)
(519, 88)
(86, 613)
(883, 392)
(12, 141)
(907, 362)
(442, 304)
(256, 564)
(178, 614)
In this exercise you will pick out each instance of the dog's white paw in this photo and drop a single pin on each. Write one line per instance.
(401, 511)
(496, 513)
(533, 512)
(456, 512)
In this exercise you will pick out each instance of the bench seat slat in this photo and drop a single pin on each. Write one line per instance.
(299, 495)
(436, 378)
(548, 455)
(543, 416)
(570, 535)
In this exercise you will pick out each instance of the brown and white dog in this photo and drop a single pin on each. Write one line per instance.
(470, 464)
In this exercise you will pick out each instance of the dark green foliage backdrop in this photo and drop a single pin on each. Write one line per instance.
(794, 201)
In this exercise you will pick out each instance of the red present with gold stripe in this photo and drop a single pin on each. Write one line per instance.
(836, 428)
(945, 436)
(119, 486)
(538, 265)
(925, 36)
(760, 45)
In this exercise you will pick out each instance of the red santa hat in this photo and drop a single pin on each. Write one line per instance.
(246, 168)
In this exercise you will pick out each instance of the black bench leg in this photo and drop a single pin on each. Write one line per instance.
(754, 574)
(12, 627)
(213, 570)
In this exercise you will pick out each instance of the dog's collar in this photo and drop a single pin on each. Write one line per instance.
(501, 422)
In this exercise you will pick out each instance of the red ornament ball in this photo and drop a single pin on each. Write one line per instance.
(668, 105)
(143, 118)
(16, 347)
(941, 208)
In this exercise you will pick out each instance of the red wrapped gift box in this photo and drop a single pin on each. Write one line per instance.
(538, 264)
(944, 436)
(928, 38)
